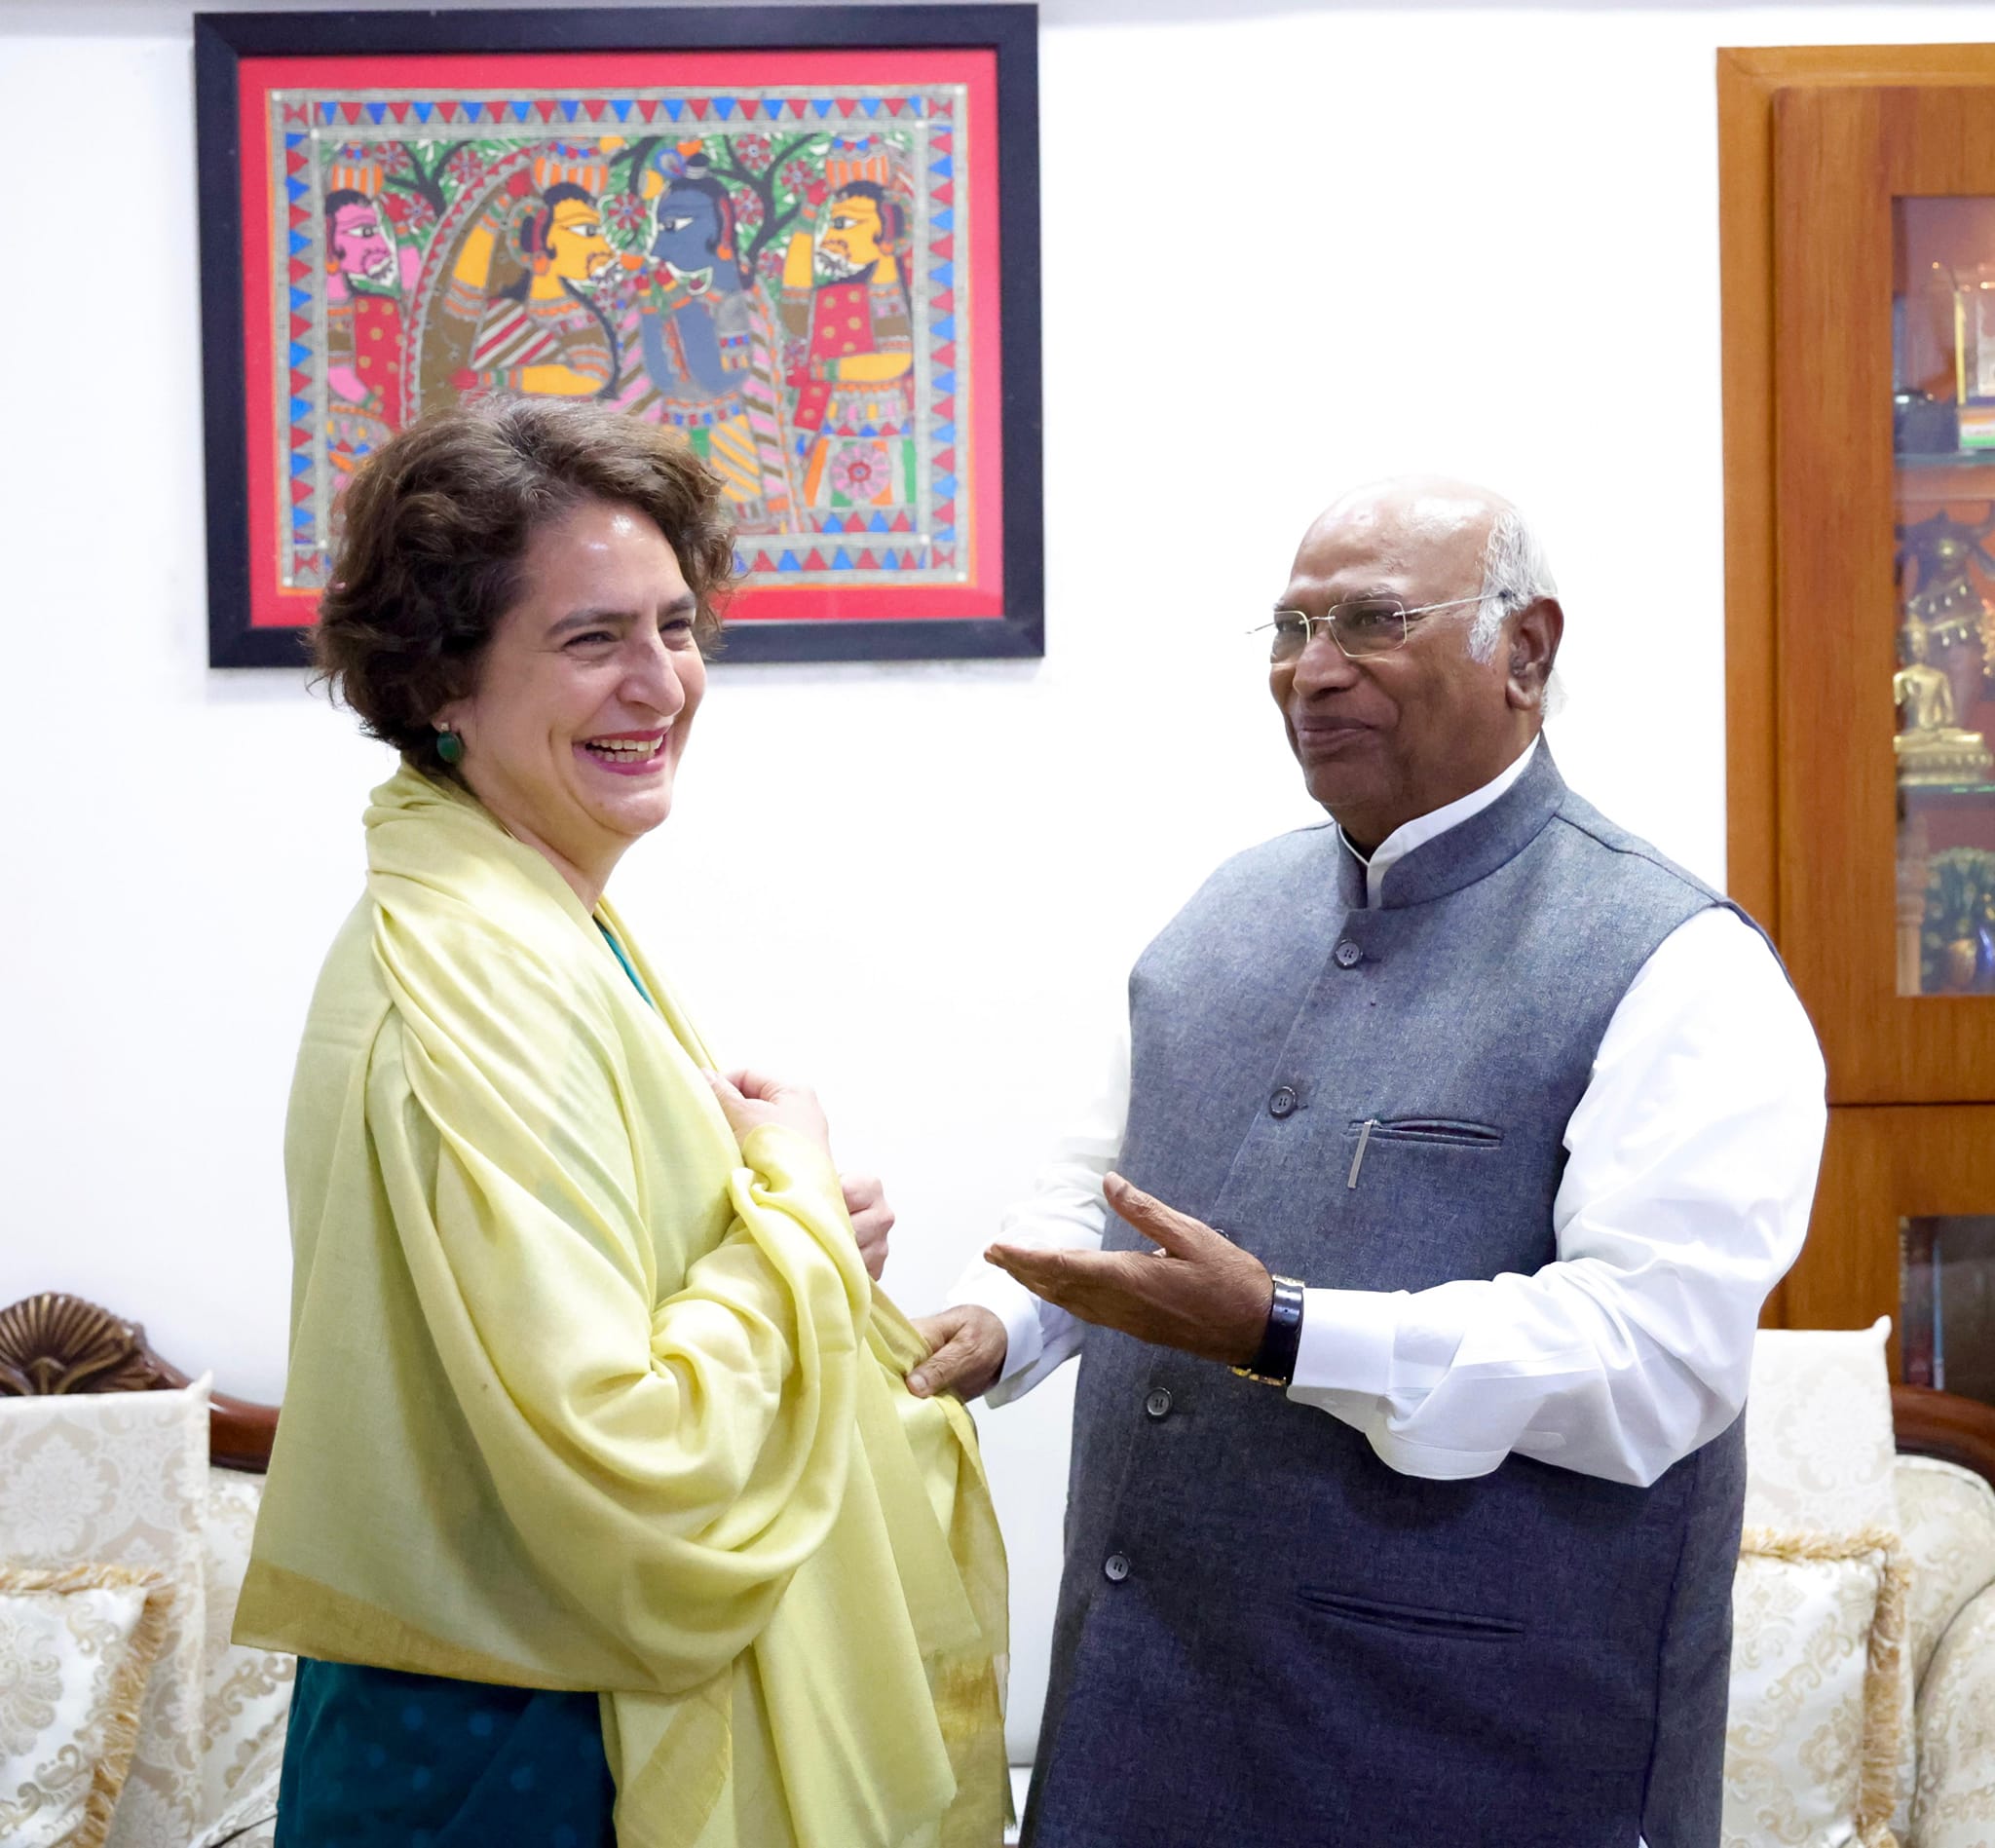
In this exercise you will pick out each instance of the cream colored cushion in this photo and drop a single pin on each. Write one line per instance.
(76, 1647)
(1956, 1803)
(1821, 1457)
(119, 1479)
(248, 1697)
(1811, 1745)
(1820, 1449)
(1946, 1518)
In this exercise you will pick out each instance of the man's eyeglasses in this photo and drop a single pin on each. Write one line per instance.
(1366, 626)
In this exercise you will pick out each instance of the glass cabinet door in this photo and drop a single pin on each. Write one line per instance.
(1856, 223)
(1946, 1296)
(1943, 607)
(1884, 389)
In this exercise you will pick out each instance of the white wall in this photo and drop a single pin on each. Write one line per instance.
(1285, 248)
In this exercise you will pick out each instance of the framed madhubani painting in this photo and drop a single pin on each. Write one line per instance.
(806, 238)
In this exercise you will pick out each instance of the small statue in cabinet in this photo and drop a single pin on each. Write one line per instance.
(1957, 617)
(1959, 937)
(1930, 747)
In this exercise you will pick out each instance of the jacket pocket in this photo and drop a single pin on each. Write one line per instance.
(1433, 1132)
(1435, 1129)
(1411, 1619)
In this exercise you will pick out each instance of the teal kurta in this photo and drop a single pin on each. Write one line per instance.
(378, 1758)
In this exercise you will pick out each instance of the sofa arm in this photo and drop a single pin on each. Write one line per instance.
(1946, 1520)
(1955, 1805)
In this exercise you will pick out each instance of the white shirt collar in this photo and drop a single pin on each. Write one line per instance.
(1421, 829)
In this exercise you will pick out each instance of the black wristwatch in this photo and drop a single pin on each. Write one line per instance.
(1275, 1363)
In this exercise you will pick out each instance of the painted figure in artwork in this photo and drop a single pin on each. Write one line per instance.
(540, 331)
(751, 290)
(704, 343)
(850, 344)
(363, 325)
(751, 266)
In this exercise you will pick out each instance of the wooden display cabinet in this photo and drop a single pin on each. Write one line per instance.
(1858, 226)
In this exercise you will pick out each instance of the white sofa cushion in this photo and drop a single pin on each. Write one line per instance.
(1821, 1457)
(119, 1479)
(77, 1646)
(1812, 1747)
(1820, 1451)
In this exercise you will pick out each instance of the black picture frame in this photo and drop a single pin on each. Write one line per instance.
(221, 40)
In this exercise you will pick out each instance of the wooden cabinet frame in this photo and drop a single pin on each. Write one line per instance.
(1884, 1162)
(1748, 81)
(1912, 1127)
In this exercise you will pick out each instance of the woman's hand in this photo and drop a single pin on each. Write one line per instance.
(872, 1218)
(966, 1348)
(750, 1099)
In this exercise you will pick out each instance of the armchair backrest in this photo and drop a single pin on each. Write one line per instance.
(57, 1343)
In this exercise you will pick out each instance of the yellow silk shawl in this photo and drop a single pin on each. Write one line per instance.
(581, 1396)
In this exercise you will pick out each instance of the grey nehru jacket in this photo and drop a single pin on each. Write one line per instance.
(1265, 1635)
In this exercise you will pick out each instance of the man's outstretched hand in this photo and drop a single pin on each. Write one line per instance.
(966, 1348)
(1198, 1292)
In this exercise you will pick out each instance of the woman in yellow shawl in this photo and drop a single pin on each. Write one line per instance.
(597, 1480)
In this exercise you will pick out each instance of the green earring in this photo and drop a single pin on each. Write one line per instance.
(450, 748)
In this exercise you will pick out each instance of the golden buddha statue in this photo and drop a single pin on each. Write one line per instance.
(1932, 748)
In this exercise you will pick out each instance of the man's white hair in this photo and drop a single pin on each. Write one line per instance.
(1515, 574)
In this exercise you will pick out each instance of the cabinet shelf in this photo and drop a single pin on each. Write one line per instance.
(1915, 793)
(1921, 460)
(1953, 474)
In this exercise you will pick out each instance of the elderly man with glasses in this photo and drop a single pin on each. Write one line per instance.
(1414, 1272)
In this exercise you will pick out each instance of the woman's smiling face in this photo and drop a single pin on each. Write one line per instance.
(586, 693)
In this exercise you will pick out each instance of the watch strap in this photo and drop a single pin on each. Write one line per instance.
(1274, 1365)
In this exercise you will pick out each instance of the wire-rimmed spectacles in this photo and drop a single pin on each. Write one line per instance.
(1365, 626)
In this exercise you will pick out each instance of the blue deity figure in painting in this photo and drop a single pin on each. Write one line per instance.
(698, 294)
(704, 343)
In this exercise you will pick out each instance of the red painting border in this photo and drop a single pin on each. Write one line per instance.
(273, 607)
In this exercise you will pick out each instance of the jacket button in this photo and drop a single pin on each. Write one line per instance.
(1159, 1403)
(1348, 955)
(1116, 1568)
(1282, 1103)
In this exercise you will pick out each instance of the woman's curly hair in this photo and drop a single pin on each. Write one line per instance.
(435, 530)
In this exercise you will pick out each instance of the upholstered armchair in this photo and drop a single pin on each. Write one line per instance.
(127, 1715)
(1862, 1700)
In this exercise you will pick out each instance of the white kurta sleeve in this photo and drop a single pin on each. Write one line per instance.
(1692, 1162)
(1066, 1209)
